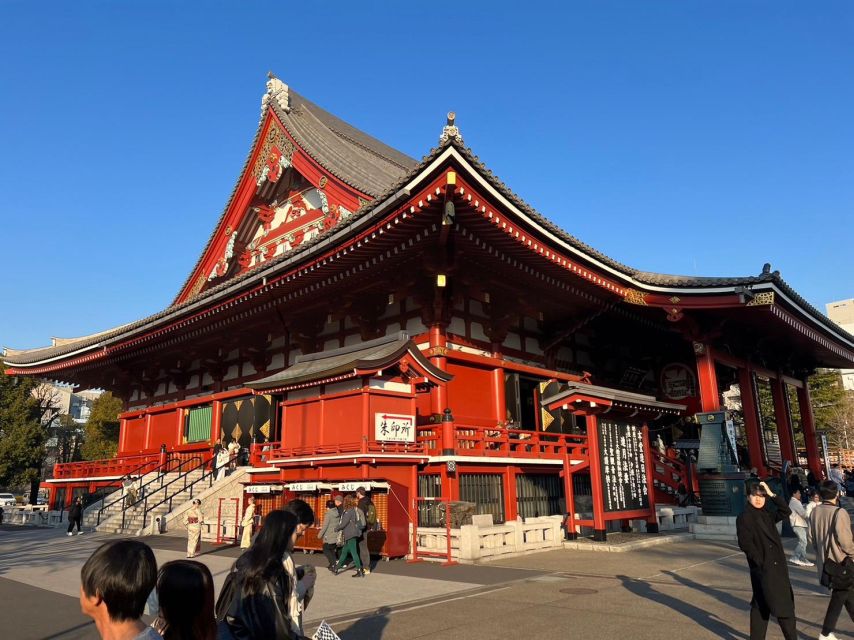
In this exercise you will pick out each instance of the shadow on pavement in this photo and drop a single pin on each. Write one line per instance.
(369, 627)
(697, 615)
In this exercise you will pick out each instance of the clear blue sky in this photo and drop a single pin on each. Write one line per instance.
(683, 137)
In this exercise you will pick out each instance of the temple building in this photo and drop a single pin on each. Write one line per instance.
(359, 317)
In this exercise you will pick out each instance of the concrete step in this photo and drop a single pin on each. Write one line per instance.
(697, 528)
(720, 537)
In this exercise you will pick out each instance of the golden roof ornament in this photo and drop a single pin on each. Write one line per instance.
(450, 131)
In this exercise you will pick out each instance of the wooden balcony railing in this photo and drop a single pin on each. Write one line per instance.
(118, 466)
(261, 454)
(501, 442)
(136, 464)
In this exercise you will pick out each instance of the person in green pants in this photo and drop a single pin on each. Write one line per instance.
(351, 525)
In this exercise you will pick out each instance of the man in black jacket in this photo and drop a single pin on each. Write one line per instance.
(365, 504)
(769, 574)
(75, 516)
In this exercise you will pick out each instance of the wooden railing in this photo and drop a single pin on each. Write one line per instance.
(501, 442)
(118, 466)
(668, 474)
(261, 454)
(121, 465)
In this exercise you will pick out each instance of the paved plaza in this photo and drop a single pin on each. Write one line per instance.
(692, 590)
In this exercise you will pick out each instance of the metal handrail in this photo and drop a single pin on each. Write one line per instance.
(162, 469)
(121, 482)
(206, 475)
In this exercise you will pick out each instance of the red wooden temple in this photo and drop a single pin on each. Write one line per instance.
(361, 317)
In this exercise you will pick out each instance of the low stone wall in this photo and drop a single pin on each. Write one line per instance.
(484, 541)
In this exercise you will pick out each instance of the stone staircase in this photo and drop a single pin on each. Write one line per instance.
(172, 486)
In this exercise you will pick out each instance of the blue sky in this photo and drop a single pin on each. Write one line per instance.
(684, 137)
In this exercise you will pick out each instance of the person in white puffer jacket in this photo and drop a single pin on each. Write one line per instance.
(798, 520)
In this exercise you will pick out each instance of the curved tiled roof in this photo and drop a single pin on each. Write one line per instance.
(335, 144)
(350, 155)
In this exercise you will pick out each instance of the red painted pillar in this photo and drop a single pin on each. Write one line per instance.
(216, 421)
(569, 493)
(438, 345)
(599, 530)
(707, 379)
(511, 499)
(179, 426)
(652, 519)
(366, 417)
(784, 421)
(146, 443)
(449, 447)
(751, 421)
(123, 435)
(498, 395)
(808, 425)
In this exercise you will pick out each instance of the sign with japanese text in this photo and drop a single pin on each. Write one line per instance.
(623, 466)
(263, 488)
(393, 427)
(303, 486)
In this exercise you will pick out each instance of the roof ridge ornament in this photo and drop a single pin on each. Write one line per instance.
(450, 130)
(278, 91)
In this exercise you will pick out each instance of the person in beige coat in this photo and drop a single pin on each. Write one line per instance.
(247, 522)
(841, 546)
(193, 520)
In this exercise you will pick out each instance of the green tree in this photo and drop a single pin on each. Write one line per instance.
(102, 428)
(22, 434)
(833, 408)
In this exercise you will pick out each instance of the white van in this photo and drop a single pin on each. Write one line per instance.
(7, 500)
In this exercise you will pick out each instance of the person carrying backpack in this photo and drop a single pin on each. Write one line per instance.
(370, 521)
(352, 530)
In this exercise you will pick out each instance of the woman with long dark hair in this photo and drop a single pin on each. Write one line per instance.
(185, 593)
(256, 599)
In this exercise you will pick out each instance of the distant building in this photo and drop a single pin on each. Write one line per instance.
(63, 441)
(842, 313)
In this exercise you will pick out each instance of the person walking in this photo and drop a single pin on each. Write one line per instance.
(328, 533)
(193, 520)
(349, 524)
(247, 523)
(185, 596)
(369, 513)
(222, 461)
(769, 575)
(798, 520)
(815, 500)
(233, 451)
(75, 517)
(830, 533)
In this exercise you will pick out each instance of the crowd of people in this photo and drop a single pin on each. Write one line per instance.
(263, 597)
(820, 524)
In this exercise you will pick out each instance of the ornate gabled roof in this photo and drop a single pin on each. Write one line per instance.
(355, 158)
(372, 355)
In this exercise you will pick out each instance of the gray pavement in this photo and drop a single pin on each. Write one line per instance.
(690, 590)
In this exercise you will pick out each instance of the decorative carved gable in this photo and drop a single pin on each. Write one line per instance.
(284, 199)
